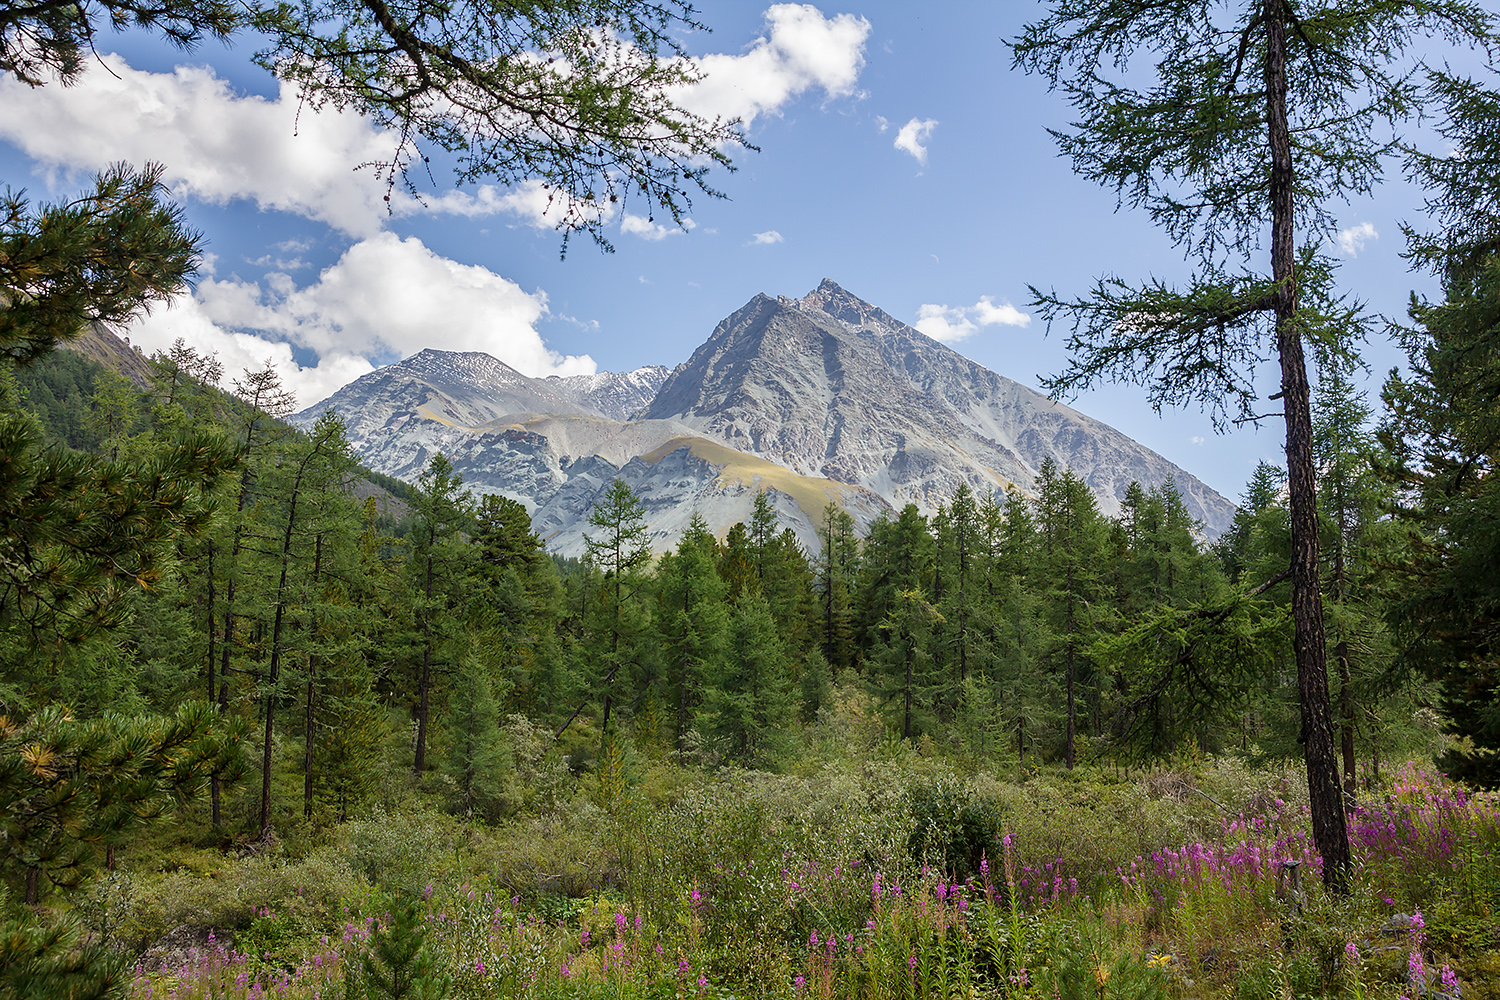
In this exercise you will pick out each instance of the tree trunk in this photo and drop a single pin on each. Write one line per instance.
(424, 683)
(424, 694)
(1330, 834)
(309, 726)
(1068, 745)
(215, 790)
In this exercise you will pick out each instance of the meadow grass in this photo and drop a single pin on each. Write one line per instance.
(1171, 883)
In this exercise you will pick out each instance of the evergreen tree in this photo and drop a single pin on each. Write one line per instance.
(962, 639)
(399, 965)
(302, 503)
(1022, 634)
(476, 760)
(1351, 500)
(905, 665)
(737, 562)
(1441, 428)
(749, 699)
(620, 551)
(1072, 542)
(439, 567)
(837, 564)
(692, 622)
(1208, 149)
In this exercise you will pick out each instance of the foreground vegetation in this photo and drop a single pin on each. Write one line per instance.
(879, 869)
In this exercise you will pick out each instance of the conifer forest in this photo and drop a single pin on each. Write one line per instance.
(275, 726)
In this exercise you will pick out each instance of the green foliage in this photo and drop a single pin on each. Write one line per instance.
(952, 831)
(69, 788)
(463, 79)
(1441, 430)
(399, 966)
(475, 760)
(41, 961)
(102, 257)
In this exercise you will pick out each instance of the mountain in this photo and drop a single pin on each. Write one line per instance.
(510, 434)
(831, 386)
(98, 342)
(818, 399)
(387, 411)
(617, 395)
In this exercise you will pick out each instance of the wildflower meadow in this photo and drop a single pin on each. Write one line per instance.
(739, 884)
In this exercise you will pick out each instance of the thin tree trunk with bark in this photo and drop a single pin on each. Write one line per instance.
(1330, 833)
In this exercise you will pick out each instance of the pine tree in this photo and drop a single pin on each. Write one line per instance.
(476, 759)
(837, 564)
(906, 671)
(1072, 542)
(399, 965)
(748, 704)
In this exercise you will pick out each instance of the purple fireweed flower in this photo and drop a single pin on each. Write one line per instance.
(798, 983)
(1450, 981)
(812, 941)
(479, 966)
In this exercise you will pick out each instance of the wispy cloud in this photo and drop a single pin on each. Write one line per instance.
(1353, 239)
(646, 229)
(766, 238)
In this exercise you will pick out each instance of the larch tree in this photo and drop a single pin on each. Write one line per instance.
(620, 549)
(1252, 119)
(1443, 431)
(439, 567)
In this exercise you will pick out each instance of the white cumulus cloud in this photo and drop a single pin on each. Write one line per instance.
(912, 136)
(385, 296)
(219, 146)
(800, 50)
(950, 324)
(284, 154)
(766, 238)
(1353, 239)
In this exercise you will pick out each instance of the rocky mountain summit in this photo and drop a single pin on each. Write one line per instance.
(814, 399)
(829, 385)
(617, 395)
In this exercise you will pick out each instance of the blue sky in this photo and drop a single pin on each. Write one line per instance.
(899, 155)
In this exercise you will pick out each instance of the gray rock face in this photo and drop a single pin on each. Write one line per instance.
(831, 386)
(617, 395)
(819, 399)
